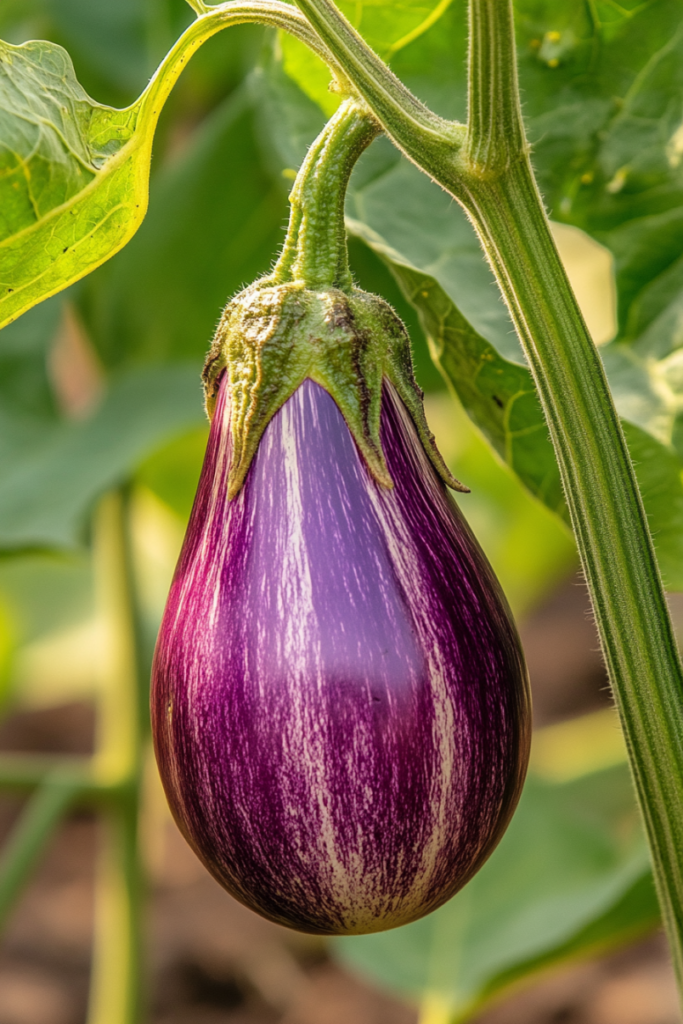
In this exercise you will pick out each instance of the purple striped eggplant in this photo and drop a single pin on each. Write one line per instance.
(340, 703)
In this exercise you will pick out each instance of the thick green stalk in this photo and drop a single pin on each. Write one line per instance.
(495, 134)
(116, 988)
(488, 171)
(606, 511)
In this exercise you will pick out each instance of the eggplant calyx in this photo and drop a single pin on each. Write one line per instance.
(273, 337)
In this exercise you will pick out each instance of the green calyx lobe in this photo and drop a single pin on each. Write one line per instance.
(308, 320)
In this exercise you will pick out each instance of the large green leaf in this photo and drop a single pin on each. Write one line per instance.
(214, 218)
(500, 397)
(570, 876)
(115, 48)
(603, 94)
(72, 171)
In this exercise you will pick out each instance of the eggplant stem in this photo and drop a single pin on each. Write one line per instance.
(315, 252)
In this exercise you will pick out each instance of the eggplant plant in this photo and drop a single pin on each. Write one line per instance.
(339, 703)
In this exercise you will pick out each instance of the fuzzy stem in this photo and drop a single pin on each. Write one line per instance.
(315, 250)
(495, 132)
(607, 515)
(427, 139)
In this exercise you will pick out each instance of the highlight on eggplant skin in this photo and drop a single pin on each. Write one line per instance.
(340, 704)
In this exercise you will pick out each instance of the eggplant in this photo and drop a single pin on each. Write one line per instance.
(340, 703)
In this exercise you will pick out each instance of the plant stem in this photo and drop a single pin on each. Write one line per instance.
(315, 250)
(607, 515)
(495, 132)
(116, 990)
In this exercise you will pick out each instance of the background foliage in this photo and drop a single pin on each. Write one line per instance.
(602, 88)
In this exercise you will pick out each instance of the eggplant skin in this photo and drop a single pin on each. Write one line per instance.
(340, 704)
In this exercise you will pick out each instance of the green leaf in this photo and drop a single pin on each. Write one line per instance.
(647, 253)
(571, 875)
(660, 473)
(401, 210)
(215, 217)
(50, 485)
(647, 375)
(500, 397)
(602, 88)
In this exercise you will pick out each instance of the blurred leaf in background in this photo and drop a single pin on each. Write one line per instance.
(48, 492)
